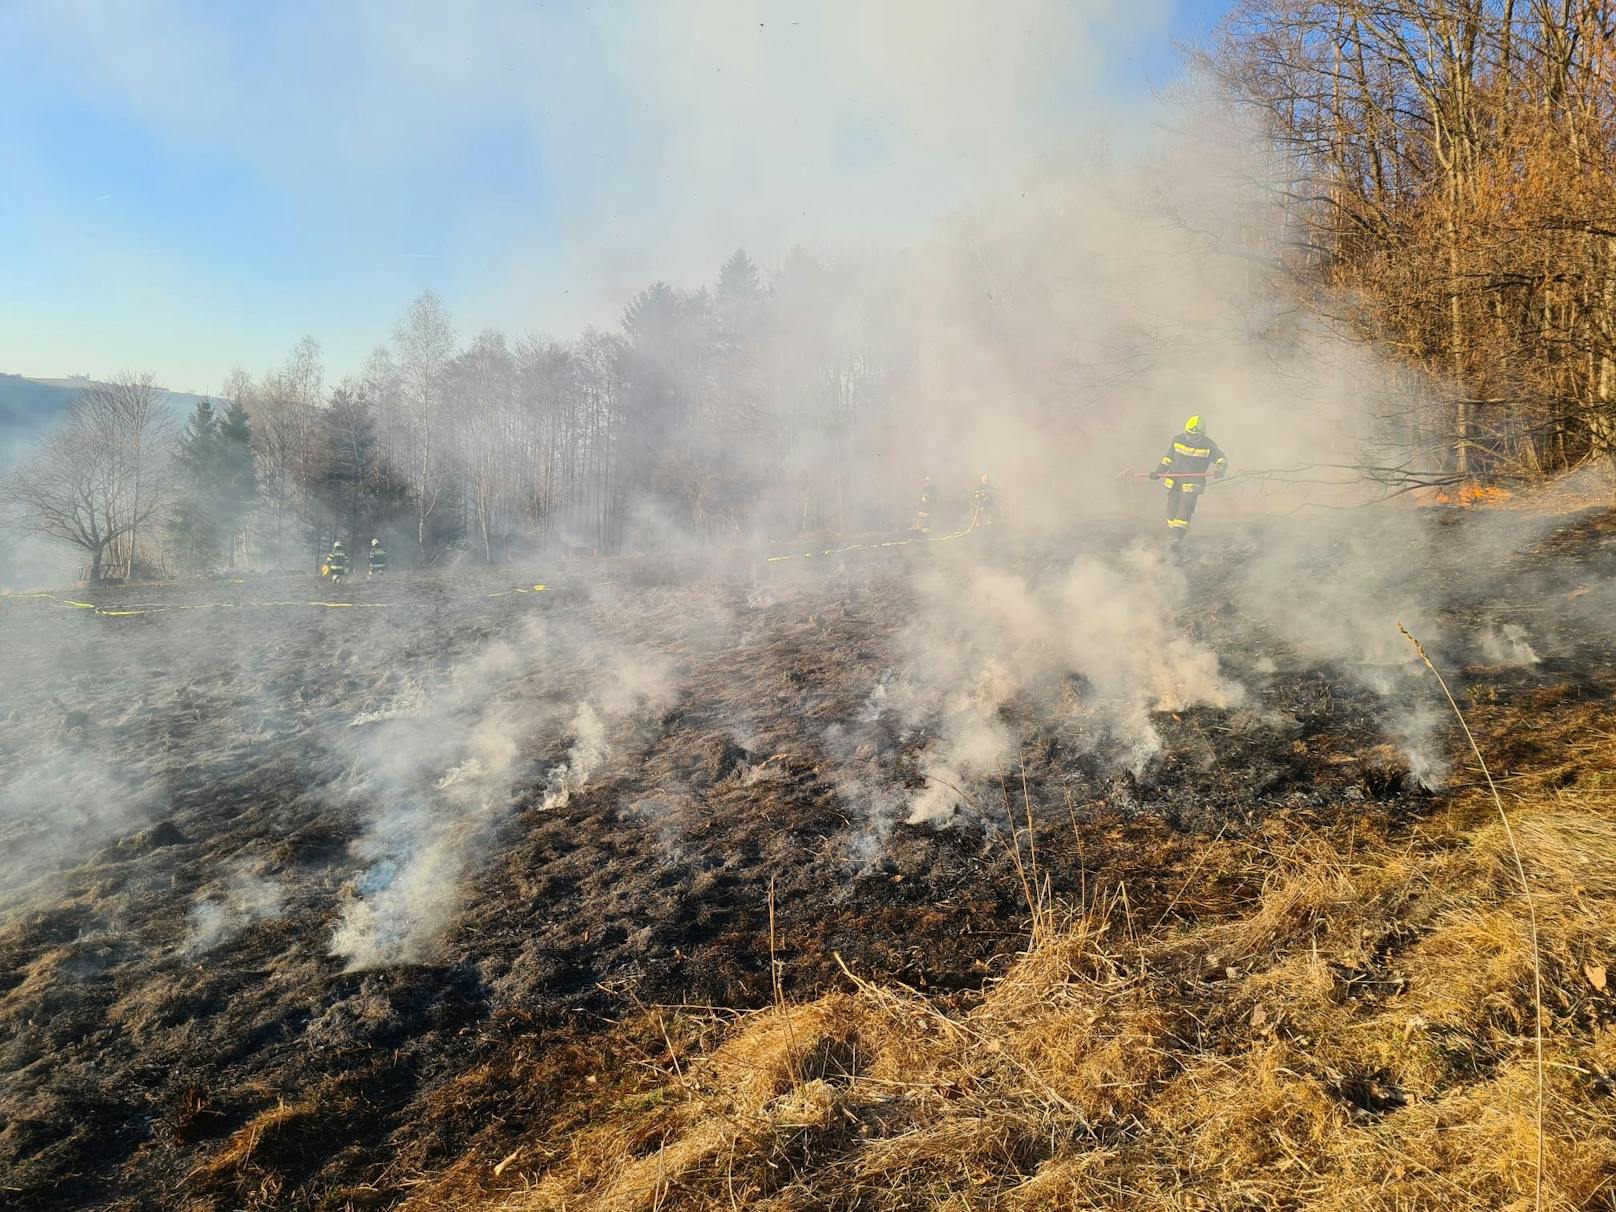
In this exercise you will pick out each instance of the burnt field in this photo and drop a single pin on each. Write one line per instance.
(269, 847)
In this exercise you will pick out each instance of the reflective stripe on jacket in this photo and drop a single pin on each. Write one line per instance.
(1193, 454)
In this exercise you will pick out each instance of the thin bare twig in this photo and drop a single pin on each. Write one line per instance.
(780, 995)
(1526, 891)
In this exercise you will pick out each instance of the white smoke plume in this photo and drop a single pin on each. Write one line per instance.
(988, 637)
(972, 745)
(420, 850)
(437, 776)
(219, 914)
(411, 699)
(588, 750)
(1419, 733)
(1508, 645)
(1058, 337)
(61, 800)
(442, 776)
(1055, 334)
(630, 689)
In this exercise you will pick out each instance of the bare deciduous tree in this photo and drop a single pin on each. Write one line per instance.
(423, 346)
(1451, 167)
(285, 408)
(487, 435)
(101, 476)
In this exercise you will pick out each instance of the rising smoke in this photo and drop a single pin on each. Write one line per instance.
(1097, 639)
(440, 775)
(1057, 336)
(1053, 334)
(223, 910)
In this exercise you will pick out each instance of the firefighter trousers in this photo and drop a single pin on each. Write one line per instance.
(1181, 499)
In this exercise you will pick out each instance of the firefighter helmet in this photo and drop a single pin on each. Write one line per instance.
(1194, 424)
(375, 542)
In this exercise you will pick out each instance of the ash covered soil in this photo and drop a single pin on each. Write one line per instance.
(199, 797)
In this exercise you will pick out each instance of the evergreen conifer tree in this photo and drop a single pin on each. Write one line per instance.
(359, 489)
(194, 530)
(237, 480)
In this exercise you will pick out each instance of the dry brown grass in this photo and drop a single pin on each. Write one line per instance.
(1356, 1032)
(232, 1169)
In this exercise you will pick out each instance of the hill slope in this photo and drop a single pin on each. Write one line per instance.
(28, 405)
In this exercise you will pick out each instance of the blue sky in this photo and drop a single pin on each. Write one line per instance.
(193, 186)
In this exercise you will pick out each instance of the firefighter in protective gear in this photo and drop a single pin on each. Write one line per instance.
(1184, 469)
(378, 558)
(923, 511)
(336, 564)
(983, 507)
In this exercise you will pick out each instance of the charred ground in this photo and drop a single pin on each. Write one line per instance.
(211, 734)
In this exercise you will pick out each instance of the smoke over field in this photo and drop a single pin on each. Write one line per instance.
(1090, 632)
(441, 779)
(807, 617)
(426, 825)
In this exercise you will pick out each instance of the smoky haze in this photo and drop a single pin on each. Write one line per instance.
(1053, 335)
(1055, 338)
(536, 165)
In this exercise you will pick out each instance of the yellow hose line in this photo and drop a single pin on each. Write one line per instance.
(112, 613)
(107, 612)
(809, 555)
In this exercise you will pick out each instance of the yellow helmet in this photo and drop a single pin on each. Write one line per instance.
(1194, 425)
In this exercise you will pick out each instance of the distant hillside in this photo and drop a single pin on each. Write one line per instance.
(28, 406)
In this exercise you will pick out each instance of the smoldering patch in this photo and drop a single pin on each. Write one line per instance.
(219, 914)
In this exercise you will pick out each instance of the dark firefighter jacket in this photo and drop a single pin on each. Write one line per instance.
(378, 559)
(1192, 454)
(337, 562)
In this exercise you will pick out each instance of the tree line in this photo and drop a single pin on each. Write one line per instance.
(716, 413)
(1447, 174)
(1449, 169)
